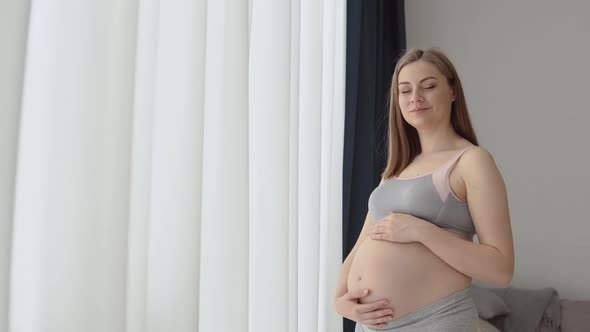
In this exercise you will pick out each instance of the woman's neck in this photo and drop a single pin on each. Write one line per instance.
(439, 139)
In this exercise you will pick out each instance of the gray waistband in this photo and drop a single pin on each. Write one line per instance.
(440, 306)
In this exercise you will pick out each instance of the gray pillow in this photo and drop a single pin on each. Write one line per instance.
(488, 304)
(575, 315)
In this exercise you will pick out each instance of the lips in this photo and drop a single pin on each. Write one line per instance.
(417, 110)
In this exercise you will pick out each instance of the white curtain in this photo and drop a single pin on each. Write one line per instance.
(170, 165)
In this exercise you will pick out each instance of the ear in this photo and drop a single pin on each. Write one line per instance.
(452, 95)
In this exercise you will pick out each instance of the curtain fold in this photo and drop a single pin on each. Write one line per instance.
(14, 19)
(173, 166)
(225, 203)
(269, 117)
(68, 244)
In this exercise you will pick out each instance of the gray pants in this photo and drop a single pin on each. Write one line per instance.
(454, 313)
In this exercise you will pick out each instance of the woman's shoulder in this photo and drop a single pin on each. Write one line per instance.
(477, 161)
(477, 154)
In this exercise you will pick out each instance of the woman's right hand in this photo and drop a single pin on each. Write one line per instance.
(374, 315)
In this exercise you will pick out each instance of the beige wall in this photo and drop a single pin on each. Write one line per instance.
(525, 68)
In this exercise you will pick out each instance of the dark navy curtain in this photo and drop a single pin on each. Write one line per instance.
(375, 39)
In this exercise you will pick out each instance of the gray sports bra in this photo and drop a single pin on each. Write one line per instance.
(427, 197)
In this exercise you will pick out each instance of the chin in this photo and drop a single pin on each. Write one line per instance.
(420, 124)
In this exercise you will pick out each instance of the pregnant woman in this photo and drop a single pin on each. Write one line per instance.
(412, 265)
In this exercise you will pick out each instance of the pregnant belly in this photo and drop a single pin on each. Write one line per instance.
(408, 275)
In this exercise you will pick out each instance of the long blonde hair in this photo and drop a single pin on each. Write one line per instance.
(403, 142)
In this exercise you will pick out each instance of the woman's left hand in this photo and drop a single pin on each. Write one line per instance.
(398, 227)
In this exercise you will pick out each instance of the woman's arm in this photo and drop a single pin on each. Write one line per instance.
(492, 260)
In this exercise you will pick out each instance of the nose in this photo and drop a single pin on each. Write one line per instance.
(416, 97)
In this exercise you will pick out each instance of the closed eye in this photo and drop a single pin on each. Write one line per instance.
(430, 87)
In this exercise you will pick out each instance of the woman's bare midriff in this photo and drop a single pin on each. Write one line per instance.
(408, 275)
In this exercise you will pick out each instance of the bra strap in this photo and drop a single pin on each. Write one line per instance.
(441, 177)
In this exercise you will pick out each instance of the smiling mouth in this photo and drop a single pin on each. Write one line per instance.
(419, 110)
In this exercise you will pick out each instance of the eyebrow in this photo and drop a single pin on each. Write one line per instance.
(422, 80)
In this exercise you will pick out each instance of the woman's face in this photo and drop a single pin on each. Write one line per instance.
(424, 95)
